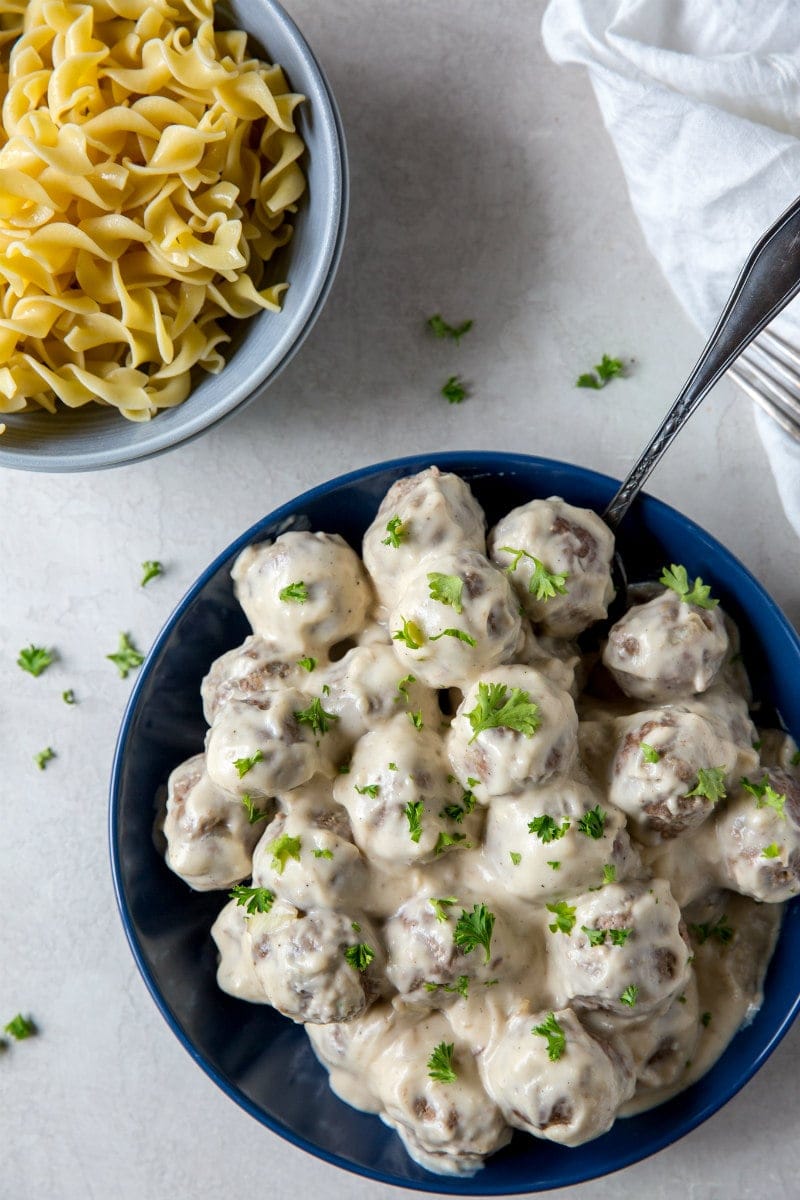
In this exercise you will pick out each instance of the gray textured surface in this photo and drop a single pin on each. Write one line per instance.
(483, 186)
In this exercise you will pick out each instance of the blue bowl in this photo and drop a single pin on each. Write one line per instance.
(259, 1058)
(94, 437)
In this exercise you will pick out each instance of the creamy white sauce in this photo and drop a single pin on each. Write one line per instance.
(377, 816)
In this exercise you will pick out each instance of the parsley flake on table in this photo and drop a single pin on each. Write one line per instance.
(282, 849)
(766, 796)
(440, 1063)
(254, 815)
(630, 995)
(649, 753)
(564, 917)
(547, 829)
(19, 1028)
(454, 390)
(543, 584)
(440, 328)
(127, 657)
(440, 904)
(445, 840)
(413, 813)
(315, 716)
(359, 956)
(593, 822)
(475, 929)
(43, 757)
(397, 532)
(411, 634)
(719, 930)
(618, 937)
(455, 633)
(308, 663)
(496, 709)
(516, 857)
(68, 696)
(596, 937)
(297, 592)
(710, 784)
(254, 899)
(323, 853)
(151, 567)
(243, 765)
(771, 851)
(556, 1038)
(35, 659)
(698, 593)
(447, 589)
(604, 371)
(369, 789)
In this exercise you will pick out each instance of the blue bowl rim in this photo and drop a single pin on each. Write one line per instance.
(406, 465)
(68, 461)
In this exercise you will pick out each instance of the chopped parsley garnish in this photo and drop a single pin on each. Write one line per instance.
(344, 768)
(402, 686)
(766, 796)
(706, 1019)
(440, 904)
(455, 633)
(397, 533)
(447, 589)
(516, 857)
(603, 373)
(416, 719)
(323, 853)
(295, 592)
(411, 634)
(771, 851)
(445, 840)
(630, 995)
(609, 873)
(453, 812)
(461, 986)
(564, 917)
(308, 663)
(369, 789)
(253, 814)
(359, 956)
(127, 657)
(757, 745)
(43, 757)
(496, 709)
(547, 829)
(150, 568)
(440, 1063)
(475, 929)
(710, 784)
(35, 659)
(413, 812)
(254, 899)
(282, 849)
(619, 937)
(596, 937)
(554, 863)
(454, 391)
(440, 328)
(356, 928)
(543, 584)
(649, 753)
(491, 982)
(243, 765)
(68, 696)
(676, 578)
(593, 822)
(392, 766)
(720, 931)
(19, 1028)
(556, 1039)
(315, 716)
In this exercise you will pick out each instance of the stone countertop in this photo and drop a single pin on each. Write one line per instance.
(483, 186)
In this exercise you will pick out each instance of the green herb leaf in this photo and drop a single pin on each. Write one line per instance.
(447, 589)
(369, 789)
(556, 1038)
(254, 899)
(698, 593)
(593, 822)
(68, 696)
(649, 753)
(543, 584)
(710, 784)
(356, 928)
(254, 815)
(440, 1063)
(295, 592)
(596, 937)
(609, 873)
(771, 851)
(35, 659)
(455, 633)
(282, 849)
(411, 634)
(308, 663)
(547, 829)
(554, 863)
(720, 931)
(440, 905)
(43, 757)
(19, 1028)
(151, 567)
(397, 531)
(445, 840)
(440, 328)
(516, 858)
(564, 917)
(127, 657)
(323, 854)
(606, 370)
(413, 811)
(454, 391)
(315, 716)
(630, 995)
(496, 709)
(461, 986)
(243, 765)
(359, 956)
(416, 719)
(404, 683)
(766, 796)
(475, 929)
(619, 936)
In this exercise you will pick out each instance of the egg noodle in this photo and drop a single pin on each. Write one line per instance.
(147, 170)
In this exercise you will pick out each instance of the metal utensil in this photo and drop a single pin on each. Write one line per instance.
(769, 373)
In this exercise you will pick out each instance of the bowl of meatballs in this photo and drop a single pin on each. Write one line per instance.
(437, 869)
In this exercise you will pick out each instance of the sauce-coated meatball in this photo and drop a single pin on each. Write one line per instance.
(273, 749)
(758, 835)
(236, 974)
(369, 686)
(349, 1048)
(249, 670)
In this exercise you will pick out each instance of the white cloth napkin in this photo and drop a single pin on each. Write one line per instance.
(702, 101)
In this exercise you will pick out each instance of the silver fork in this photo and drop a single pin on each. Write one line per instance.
(769, 373)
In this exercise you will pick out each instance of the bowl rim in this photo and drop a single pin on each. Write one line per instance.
(155, 441)
(446, 460)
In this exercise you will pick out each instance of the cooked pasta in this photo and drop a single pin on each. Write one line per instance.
(148, 170)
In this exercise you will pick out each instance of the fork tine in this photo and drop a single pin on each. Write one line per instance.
(779, 344)
(786, 400)
(769, 406)
(778, 366)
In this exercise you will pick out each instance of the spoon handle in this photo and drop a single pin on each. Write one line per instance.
(768, 281)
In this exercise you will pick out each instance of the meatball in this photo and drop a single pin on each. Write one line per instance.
(427, 513)
(570, 542)
(249, 670)
(655, 774)
(567, 1097)
(730, 712)
(448, 1127)
(209, 837)
(404, 804)
(484, 743)
(556, 658)
(425, 963)
(307, 973)
(451, 595)
(779, 749)
(307, 855)
(369, 686)
(758, 837)
(666, 648)
(304, 591)
(348, 1049)
(236, 974)
(260, 747)
(626, 951)
(551, 841)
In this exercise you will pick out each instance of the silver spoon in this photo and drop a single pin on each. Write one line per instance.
(769, 279)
